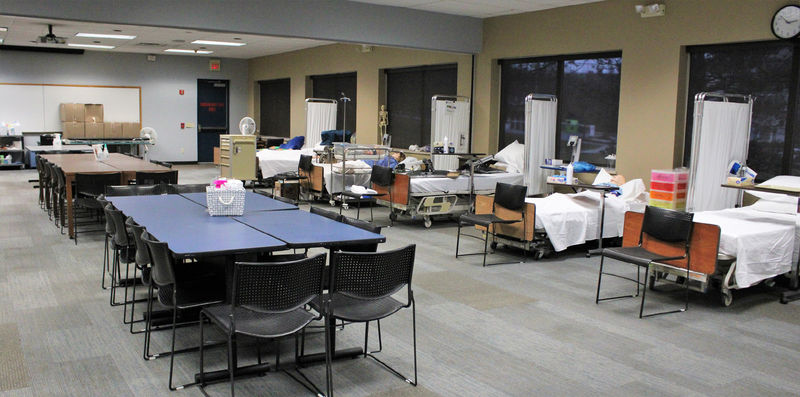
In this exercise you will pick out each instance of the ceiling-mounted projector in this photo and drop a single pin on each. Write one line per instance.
(51, 38)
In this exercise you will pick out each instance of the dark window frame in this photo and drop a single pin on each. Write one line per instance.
(559, 60)
(791, 116)
(350, 123)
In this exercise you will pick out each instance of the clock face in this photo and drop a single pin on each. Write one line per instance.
(786, 22)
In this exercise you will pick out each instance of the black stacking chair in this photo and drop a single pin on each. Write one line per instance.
(141, 261)
(60, 198)
(44, 183)
(134, 190)
(88, 188)
(326, 213)
(191, 288)
(155, 178)
(368, 226)
(508, 196)
(661, 225)
(304, 169)
(124, 251)
(383, 177)
(109, 234)
(192, 188)
(42, 179)
(361, 290)
(269, 301)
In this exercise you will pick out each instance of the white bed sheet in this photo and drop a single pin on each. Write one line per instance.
(333, 180)
(273, 162)
(572, 219)
(765, 244)
(461, 184)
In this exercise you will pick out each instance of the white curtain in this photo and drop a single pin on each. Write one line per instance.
(540, 136)
(718, 138)
(320, 116)
(450, 119)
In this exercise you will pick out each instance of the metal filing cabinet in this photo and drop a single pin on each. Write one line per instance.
(237, 157)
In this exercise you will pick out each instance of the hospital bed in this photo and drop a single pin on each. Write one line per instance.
(564, 220)
(272, 162)
(428, 195)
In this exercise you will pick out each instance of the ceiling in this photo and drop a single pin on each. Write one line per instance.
(478, 8)
(24, 31)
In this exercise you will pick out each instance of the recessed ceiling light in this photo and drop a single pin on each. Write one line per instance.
(188, 51)
(225, 43)
(237, 38)
(106, 47)
(3, 29)
(1, 39)
(118, 30)
(106, 36)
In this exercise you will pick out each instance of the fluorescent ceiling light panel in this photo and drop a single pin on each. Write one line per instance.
(106, 47)
(3, 29)
(188, 51)
(106, 36)
(225, 43)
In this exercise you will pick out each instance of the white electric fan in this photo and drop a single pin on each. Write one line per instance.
(150, 136)
(247, 126)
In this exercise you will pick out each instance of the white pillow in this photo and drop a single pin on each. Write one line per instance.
(780, 180)
(780, 204)
(513, 155)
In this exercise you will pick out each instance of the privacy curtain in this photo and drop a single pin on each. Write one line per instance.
(320, 116)
(540, 136)
(451, 119)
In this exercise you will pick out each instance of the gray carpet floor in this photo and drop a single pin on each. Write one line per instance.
(526, 329)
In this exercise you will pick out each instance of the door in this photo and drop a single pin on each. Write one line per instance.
(275, 109)
(212, 116)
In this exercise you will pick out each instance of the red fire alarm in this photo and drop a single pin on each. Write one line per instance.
(183, 125)
(180, 92)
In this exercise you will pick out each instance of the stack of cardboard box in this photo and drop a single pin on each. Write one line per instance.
(85, 121)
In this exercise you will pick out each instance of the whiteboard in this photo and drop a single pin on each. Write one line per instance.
(36, 106)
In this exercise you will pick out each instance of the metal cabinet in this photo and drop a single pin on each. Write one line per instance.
(237, 157)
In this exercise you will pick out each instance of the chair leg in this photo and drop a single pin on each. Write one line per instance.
(202, 342)
(366, 338)
(644, 290)
(147, 325)
(414, 332)
(328, 354)
(485, 246)
(599, 280)
(458, 237)
(105, 264)
(172, 349)
(230, 362)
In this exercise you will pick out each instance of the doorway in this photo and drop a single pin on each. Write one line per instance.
(212, 116)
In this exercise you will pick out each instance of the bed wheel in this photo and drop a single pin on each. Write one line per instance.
(393, 217)
(427, 219)
(652, 283)
(726, 297)
(332, 203)
(539, 255)
(345, 205)
(493, 245)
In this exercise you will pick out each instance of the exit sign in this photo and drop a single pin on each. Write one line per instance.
(214, 65)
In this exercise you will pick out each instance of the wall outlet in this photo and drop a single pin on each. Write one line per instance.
(182, 150)
(189, 125)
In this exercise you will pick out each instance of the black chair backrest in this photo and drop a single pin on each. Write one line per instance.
(45, 169)
(326, 213)
(667, 225)
(154, 178)
(372, 275)
(111, 228)
(53, 174)
(120, 231)
(510, 196)
(95, 184)
(163, 271)
(193, 188)
(142, 255)
(305, 163)
(61, 180)
(381, 176)
(134, 190)
(361, 224)
(277, 286)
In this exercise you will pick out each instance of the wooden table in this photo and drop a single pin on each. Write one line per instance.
(72, 164)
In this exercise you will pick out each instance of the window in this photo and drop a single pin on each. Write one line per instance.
(332, 86)
(274, 107)
(587, 88)
(767, 72)
(408, 100)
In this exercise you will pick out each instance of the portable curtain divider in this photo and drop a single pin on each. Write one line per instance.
(720, 134)
(449, 118)
(320, 116)
(540, 140)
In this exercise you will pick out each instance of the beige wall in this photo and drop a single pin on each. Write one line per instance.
(652, 92)
(343, 58)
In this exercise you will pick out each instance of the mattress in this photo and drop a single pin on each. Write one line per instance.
(572, 219)
(765, 244)
(273, 162)
(460, 185)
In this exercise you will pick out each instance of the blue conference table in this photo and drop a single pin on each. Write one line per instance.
(252, 202)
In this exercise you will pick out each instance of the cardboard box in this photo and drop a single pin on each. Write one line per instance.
(130, 130)
(94, 130)
(93, 113)
(72, 130)
(72, 112)
(112, 130)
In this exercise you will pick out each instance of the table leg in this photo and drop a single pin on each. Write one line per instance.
(70, 178)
